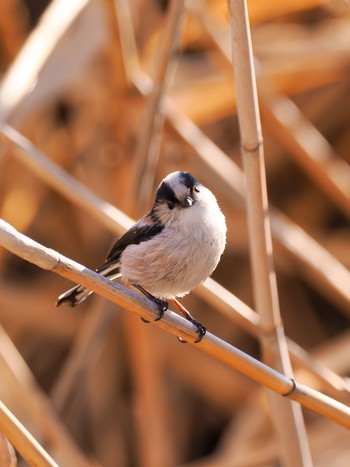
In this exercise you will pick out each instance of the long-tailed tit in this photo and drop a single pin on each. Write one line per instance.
(170, 250)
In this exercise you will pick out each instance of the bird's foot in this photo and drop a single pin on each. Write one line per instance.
(201, 330)
(162, 306)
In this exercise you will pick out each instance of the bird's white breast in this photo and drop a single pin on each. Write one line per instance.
(182, 256)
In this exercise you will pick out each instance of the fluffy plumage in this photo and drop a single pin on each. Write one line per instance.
(170, 250)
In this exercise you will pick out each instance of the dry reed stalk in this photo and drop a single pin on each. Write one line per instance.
(151, 414)
(303, 248)
(271, 10)
(333, 384)
(117, 221)
(329, 275)
(332, 277)
(50, 260)
(287, 417)
(335, 353)
(16, 96)
(146, 364)
(128, 46)
(187, 366)
(152, 421)
(246, 318)
(244, 428)
(318, 266)
(230, 180)
(22, 395)
(8, 456)
(22, 440)
(238, 443)
(308, 147)
(148, 144)
(85, 349)
(331, 282)
(82, 364)
(116, 57)
(63, 183)
(294, 131)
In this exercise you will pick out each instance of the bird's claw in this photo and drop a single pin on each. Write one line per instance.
(201, 330)
(162, 308)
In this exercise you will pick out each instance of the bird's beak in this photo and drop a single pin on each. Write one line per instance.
(188, 202)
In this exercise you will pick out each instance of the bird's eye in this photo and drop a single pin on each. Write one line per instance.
(196, 189)
(170, 205)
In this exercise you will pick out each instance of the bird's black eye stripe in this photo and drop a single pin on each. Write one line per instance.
(166, 193)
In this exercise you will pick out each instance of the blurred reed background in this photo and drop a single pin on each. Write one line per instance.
(94, 385)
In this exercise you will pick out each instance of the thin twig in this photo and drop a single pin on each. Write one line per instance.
(51, 260)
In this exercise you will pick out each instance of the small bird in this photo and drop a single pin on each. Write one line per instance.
(169, 251)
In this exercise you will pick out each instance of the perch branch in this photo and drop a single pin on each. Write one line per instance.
(116, 221)
(51, 260)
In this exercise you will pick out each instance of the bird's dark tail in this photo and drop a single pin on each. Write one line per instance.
(74, 296)
(78, 294)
